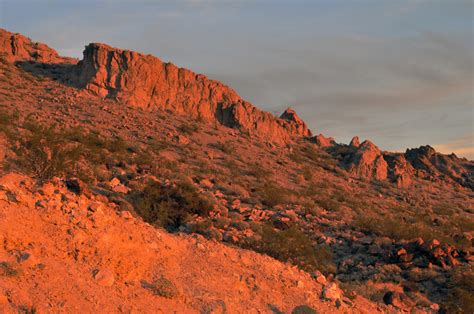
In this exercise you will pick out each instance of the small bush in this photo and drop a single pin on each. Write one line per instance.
(188, 128)
(292, 245)
(43, 152)
(227, 148)
(7, 270)
(170, 206)
(460, 297)
(161, 287)
(272, 195)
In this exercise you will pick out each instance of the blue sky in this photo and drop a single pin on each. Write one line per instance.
(400, 73)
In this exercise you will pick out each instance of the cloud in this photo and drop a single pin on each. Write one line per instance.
(461, 147)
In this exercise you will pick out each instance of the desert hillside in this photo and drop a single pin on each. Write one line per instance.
(132, 185)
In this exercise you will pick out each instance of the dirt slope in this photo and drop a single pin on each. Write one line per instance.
(66, 253)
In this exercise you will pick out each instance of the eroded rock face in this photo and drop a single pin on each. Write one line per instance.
(145, 81)
(400, 170)
(16, 47)
(368, 162)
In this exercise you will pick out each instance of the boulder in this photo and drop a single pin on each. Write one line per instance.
(368, 162)
(331, 292)
(104, 277)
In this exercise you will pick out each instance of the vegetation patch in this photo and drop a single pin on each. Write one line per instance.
(170, 206)
(294, 246)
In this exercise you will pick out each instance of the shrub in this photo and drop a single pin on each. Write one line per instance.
(272, 195)
(188, 128)
(7, 120)
(460, 297)
(161, 287)
(292, 245)
(7, 270)
(170, 206)
(43, 152)
(227, 148)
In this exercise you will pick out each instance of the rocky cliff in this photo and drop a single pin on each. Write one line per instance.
(147, 82)
(16, 47)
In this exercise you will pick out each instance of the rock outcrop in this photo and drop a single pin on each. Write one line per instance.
(323, 141)
(147, 82)
(368, 162)
(400, 170)
(355, 142)
(16, 47)
(432, 165)
(300, 126)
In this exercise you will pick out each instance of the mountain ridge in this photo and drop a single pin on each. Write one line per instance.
(395, 228)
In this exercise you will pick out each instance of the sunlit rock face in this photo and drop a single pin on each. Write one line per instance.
(147, 82)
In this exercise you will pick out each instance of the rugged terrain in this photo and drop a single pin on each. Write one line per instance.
(157, 144)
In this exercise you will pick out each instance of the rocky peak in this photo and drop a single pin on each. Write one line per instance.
(323, 141)
(355, 142)
(290, 115)
(368, 162)
(422, 151)
(147, 82)
(15, 47)
(435, 166)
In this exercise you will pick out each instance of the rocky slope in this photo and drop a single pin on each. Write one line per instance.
(54, 242)
(404, 242)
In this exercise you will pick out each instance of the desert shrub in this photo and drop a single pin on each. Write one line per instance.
(43, 152)
(328, 203)
(161, 287)
(188, 128)
(272, 195)
(227, 148)
(7, 121)
(292, 245)
(304, 309)
(257, 170)
(7, 270)
(307, 173)
(460, 297)
(170, 206)
(399, 228)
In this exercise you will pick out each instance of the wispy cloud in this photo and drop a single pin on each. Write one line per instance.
(461, 147)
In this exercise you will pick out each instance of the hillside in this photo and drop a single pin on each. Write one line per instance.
(186, 154)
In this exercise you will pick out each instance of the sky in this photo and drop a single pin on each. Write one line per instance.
(397, 72)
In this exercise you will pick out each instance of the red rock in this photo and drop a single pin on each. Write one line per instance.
(291, 116)
(331, 292)
(401, 251)
(16, 47)
(126, 214)
(147, 82)
(368, 162)
(104, 278)
(323, 141)
(355, 142)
